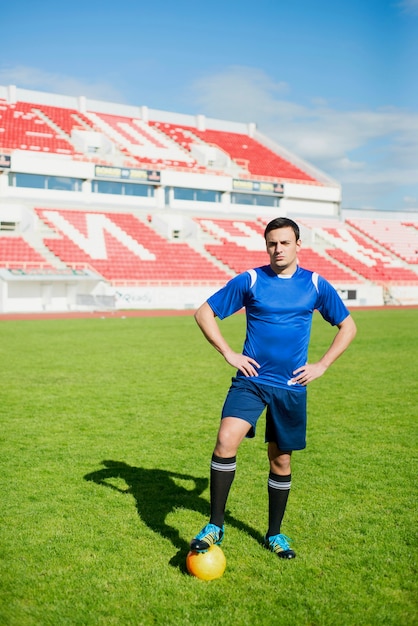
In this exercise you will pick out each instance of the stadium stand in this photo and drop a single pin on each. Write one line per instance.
(241, 246)
(21, 128)
(121, 248)
(359, 253)
(137, 140)
(16, 253)
(400, 238)
(245, 151)
(122, 206)
(67, 120)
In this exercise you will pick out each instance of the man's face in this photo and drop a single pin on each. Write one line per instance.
(282, 249)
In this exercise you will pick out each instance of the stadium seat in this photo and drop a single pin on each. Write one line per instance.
(120, 247)
(21, 128)
(241, 246)
(16, 253)
(400, 238)
(359, 253)
(259, 160)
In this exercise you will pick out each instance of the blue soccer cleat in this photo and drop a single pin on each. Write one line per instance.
(210, 535)
(280, 545)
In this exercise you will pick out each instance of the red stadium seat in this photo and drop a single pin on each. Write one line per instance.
(120, 247)
(21, 128)
(16, 253)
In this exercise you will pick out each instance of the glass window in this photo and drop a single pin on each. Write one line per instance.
(267, 201)
(254, 199)
(122, 189)
(38, 181)
(196, 195)
(241, 198)
(64, 184)
(130, 189)
(28, 180)
(181, 193)
(206, 195)
(107, 186)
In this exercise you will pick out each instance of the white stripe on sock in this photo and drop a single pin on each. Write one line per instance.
(281, 486)
(223, 467)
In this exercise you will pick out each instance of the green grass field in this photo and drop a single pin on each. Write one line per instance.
(107, 429)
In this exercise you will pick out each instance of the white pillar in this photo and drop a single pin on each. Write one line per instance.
(82, 104)
(3, 296)
(201, 122)
(144, 113)
(12, 95)
(46, 296)
(71, 295)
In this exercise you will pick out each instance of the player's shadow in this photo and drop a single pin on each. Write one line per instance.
(158, 493)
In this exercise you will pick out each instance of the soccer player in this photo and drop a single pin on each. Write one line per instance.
(272, 371)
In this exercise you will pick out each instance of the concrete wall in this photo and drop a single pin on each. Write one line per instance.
(37, 296)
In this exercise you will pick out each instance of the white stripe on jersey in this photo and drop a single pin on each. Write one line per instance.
(315, 280)
(253, 275)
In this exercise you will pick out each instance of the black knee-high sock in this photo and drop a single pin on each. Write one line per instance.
(278, 490)
(222, 474)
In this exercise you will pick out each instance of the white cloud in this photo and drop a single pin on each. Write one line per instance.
(240, 92)
(27, 77)
(373, 148)
(346, 164)
(408, 6)
(370, 152)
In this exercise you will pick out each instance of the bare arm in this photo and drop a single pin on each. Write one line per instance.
(207, 323)
(345, 335)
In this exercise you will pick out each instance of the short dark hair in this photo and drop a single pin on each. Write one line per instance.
(282, 222)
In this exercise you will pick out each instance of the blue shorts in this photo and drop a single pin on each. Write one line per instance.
(285, 415)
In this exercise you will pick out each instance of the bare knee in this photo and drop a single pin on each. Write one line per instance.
(231, 432)
(279, 460)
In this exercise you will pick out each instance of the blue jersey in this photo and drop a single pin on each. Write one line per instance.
(279, 317)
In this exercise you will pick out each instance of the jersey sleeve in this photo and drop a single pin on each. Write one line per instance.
(329, 303)
(232, 297)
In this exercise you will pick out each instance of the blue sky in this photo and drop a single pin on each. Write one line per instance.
(335, 81)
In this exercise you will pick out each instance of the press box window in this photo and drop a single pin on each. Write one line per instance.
(254, 199)
(38, 181)
(196, 195)
(122, 189)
